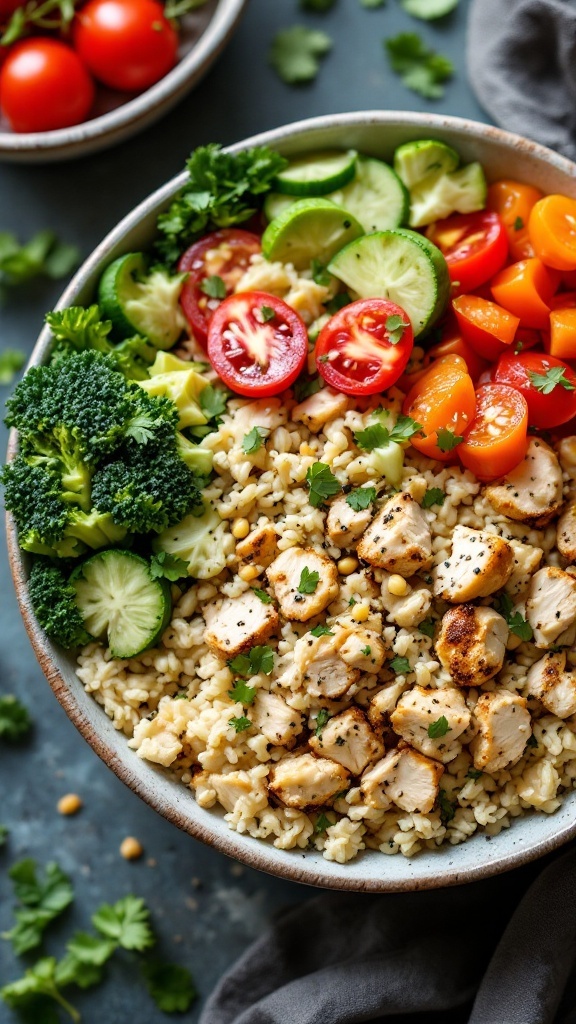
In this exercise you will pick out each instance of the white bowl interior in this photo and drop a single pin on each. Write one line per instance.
(376, 133)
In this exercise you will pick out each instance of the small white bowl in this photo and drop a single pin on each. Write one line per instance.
(376, 133)
(203, 35)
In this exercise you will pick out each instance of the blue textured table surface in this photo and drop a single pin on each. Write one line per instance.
(206, 908)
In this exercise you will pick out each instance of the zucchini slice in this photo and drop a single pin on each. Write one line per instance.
(141, 302)
(317, 174)
(416, 160)
(310, 229)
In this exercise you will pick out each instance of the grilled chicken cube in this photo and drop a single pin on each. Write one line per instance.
(526, 561)
(566, 532)
(405, 778)
(479, 564)
(320, 668)
(264, 412)
(553, 685)
(471, 644)
(410, 608)
(275, 719)
(432, 720)
(349, 740)
(398, 538)
(259, 546)
(316, 410)
(307, 781)
(231, 787)
(503, 723)
(532, 492)
(289, 575)
(344, 525)
(384, 702)
(551, 606)
(363, 649)
(239, 623)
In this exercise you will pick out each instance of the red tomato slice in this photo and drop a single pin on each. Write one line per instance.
(364, 347)
(487, 327)
(549, 403)
(225, 254)
(497, 439)
(257, 344)
(474, 245)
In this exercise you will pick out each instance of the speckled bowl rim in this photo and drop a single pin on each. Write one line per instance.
(529, 837)
(136, 114)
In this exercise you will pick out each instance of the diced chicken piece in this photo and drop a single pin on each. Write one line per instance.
(344, 525)
(259, 547)
(503, 723)
(526, 561)
(479, 564)
(531, 493)
(239, 623)
(398, 538)
(265, 412)
(316, 410)
(307, 781)
(290, 580)
(363, 649)
(420, 711)
(275, 719)
(566, 533)
(349, 740)
(472, 643)
(384, 702)
(551, 606)
(553, 684)
(320, 668)
(410, 608)
(231, 787)
(405, 778)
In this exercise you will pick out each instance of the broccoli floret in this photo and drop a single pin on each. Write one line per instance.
(79, 329)
(33, 494)
(147, 487)
(54, 604)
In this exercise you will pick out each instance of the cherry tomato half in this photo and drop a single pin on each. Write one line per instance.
(535, 375)
(126, 44)
(513, 201)
(364, 347)
(224, 254)
(526, 289)
(257, 344)
(497, 439)
(43, 86)
(474, 245)
(552, 228)
(443, 397)
(487, 327)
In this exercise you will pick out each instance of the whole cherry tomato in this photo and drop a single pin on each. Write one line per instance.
(43, 86)
(126, 44)
(548, 385)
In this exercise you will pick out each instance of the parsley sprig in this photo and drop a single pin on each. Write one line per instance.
(421, 69)
(401, 666)
(42, 899)
(15, 722)
(309, 580)
(433, 496)
(516, 623)
(296, 52)
(545, 383)
(361, 498)
(254, 439)
(322, 483)
(395, 327)
(447, 440)
(258, 659)
(378, 436)
(439, 728)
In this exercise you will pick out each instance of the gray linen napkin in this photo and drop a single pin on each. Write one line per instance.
(522, 67)
(419, 957)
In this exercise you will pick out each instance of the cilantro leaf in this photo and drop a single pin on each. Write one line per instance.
(43, 899)
(267, 313)
(213, 401)
(127, 922)
(322, 483)
(42, 256)
(306, 386)
(438, 728)
(89, 949)
(38, 980)
(213, 286)
(516, 623)
(242, 693)
(474, 773)
(259, 659)
(378, 436)
(240, 724)
(546, 382)
(429, 10)
(421, 69)
(433, 496)
(404, 428)
(366, 651)
(169, 567)
(322, 631)
(401, 666)
(254, 439)
(170, 985)
(295, 53)
(264, 597)
(447, 440)
(4, 833)
(447, 807)
(322, 823)
(395, 326)
(427, 626)
(361, 498)
(518, 224)
(308, 581)
(15, 721)
(321, 719)
(11, 360)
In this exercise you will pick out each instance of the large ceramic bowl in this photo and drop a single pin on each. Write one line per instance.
(203, 35)
(376, 133)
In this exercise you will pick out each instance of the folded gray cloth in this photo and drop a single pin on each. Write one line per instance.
(522, 67)
(440, 957)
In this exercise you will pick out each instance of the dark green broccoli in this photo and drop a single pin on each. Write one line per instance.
(54, 604)
(80, 329)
